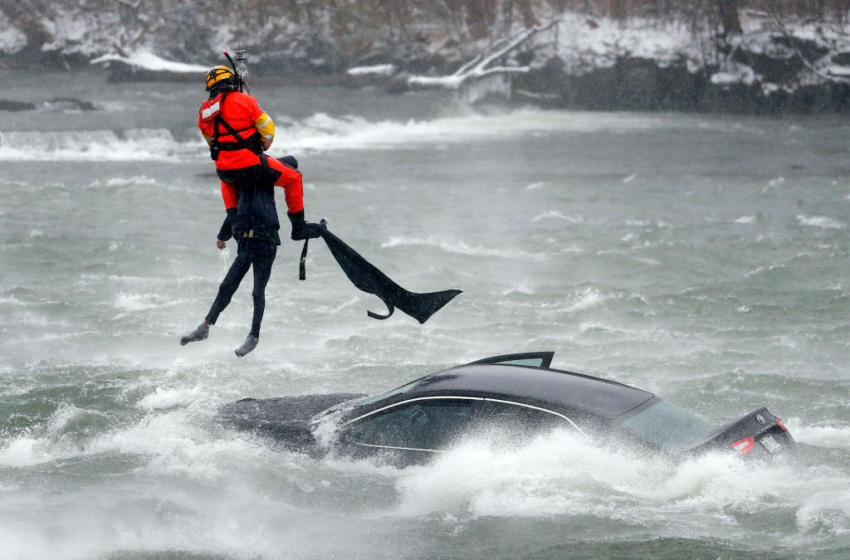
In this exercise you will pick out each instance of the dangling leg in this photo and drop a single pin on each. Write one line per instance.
(225, 293)
(263, 253)
(231, 281)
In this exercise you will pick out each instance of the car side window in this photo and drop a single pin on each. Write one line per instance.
(516, 422)
(425, 425)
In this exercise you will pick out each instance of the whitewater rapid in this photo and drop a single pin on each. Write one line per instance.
(703, 258)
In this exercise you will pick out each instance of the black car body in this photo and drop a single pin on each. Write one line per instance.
(515, 397)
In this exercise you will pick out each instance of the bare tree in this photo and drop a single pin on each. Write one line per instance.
(729, 17)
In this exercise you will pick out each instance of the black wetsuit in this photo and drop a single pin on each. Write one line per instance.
(254, 224)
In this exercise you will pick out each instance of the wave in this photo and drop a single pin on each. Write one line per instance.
(559, 474)
(823, 436)
(554, 214)
(127, 181)
(820, 222)
(138, 302)
(322, 133)
(584, 299)
(141, 144)
(563, 475)
(458, 247)
(745, 220)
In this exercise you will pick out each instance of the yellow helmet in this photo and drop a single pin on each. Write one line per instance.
(218, 74)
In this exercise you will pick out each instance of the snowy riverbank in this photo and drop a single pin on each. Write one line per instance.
(575, 61)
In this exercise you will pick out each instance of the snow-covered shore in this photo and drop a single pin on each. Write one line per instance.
(577, 61)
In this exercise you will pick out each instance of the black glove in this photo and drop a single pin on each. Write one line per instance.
(289, 161)
(226, 231)
(300, 228)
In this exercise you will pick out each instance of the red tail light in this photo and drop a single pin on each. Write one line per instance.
(780, 425)
(744, 446)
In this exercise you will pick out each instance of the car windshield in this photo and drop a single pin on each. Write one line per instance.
(668, 426)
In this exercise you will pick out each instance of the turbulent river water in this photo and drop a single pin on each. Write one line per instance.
(704, 258)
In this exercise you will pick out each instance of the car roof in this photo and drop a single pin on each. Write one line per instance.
(556, 388)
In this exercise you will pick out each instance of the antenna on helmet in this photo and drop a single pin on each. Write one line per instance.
(240, 69)
(243, 68)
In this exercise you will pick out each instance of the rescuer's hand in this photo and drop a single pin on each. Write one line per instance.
(220, 244)
(289, 161)
(299, 227)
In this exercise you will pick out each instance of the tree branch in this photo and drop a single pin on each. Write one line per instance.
(478, 66)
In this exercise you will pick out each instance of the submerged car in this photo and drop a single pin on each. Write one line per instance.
(517, 396)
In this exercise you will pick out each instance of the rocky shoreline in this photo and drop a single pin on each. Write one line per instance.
(630, 84)
(635, 84)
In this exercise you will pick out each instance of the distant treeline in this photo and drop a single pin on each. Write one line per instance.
(331, 33)
(722, 55)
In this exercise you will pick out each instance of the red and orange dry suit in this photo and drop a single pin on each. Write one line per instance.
(244, 116)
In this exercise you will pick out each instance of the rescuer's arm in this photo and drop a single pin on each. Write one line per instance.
(265, 126)
(205, 128)
(231, 198)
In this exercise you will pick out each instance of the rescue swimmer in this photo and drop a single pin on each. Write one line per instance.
(238, 133)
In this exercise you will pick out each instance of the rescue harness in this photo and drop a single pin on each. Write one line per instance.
(253, 142)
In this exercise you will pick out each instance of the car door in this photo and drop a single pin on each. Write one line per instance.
(408, 432)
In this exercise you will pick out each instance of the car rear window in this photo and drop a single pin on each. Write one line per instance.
(666, 425)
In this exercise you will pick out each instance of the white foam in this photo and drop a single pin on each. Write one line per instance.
(176, 442)
(164, 398)
(820, 222)
(823, 436)
(554, 214)
(24, 452)
(584, 299)
(828, 510)
(745, 220)
(521, 289)
(136, 302)
(322, 132)
(558, 474)
(458, 247)
(96, 145)
(123, 181)
(12, 300)
(566, 475)
(28, 450)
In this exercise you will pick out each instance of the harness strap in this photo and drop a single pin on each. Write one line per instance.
(250, 143)
(302, 265)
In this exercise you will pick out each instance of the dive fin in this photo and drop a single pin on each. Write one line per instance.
(391, 310)
(366, 277)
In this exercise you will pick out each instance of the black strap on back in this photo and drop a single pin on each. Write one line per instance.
(251, 143)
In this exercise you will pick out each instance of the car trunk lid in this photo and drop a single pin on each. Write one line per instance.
(758, 433)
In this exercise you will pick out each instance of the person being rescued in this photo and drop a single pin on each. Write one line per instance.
(238, 132)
